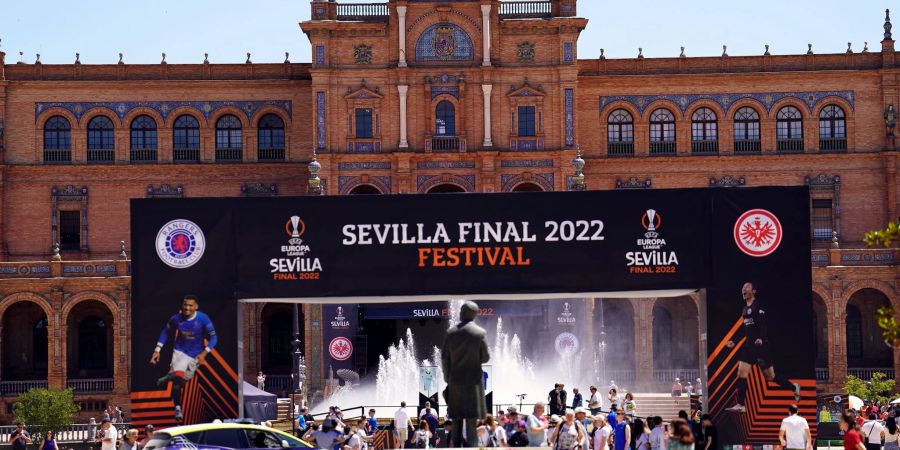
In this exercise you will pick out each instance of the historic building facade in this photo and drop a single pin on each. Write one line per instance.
(413, 96)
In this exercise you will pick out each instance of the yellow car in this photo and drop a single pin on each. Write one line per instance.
(235, 436)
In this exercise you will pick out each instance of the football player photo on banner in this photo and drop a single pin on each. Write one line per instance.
(183, 317)
(759, 308)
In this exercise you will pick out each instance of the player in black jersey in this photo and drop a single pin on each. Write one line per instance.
(755, 349)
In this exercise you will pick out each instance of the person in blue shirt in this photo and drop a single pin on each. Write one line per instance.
(372, 423)
(193, 337)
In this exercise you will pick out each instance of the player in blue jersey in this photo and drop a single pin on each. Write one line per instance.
(194, 337)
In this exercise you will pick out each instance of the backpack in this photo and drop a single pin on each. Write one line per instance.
(421, 439)
(492, 438)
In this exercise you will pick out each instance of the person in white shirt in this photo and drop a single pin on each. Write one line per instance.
(602, 432)
(794, 434)
(110, 435)
(594, 402)
(401, 426)
(657, 434)
(427, 409)
(872, 433)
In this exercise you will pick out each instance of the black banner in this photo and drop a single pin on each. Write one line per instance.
(343, 250)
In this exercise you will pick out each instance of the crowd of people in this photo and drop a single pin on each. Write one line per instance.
(872, 427)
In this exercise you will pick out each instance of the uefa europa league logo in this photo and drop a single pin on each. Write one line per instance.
(295, 227)
(650, 221)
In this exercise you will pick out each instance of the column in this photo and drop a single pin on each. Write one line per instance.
(401, 16)
(403, 89)
(486, 90)
(486, 36)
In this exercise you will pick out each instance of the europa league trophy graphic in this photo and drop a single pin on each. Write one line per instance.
(295, 227)
(651, 219)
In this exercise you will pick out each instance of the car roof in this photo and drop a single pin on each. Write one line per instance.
(213, 426)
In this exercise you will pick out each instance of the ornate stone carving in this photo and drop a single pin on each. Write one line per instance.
(633, 183)
(727, 181)
(362, 54)
(259, 190)
(165, 190)
(525, 51)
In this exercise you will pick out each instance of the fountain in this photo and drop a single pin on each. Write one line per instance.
(397, 377)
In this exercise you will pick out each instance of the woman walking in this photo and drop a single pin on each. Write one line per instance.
(568, 434)
(852, 441)
(49, 442)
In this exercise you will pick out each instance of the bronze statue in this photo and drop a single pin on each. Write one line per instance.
(465, 350)
(890, 120)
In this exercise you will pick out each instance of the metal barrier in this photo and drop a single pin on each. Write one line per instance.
(82, 432)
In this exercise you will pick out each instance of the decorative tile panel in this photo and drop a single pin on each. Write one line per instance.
(570, 116)
(347, 184)
(506, 163)
(727, 181)
(364, 165)
(259, 190)
(508, 182)
(634, 183)
(320, 120)
(444, 42)
(320, 55)
(568, 52)
(426, 182)
(165, 190)
(164, 108)
(445, 165)
(449, 90)
(765, 99)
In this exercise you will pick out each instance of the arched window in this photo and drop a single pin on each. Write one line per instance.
(92, 343)
(662, 132)
(186, 139)
(832, 128)
(789, 130)
(364, 189)
(270, 138)
(57, 140)
(854, 332)
(228, 139)
(445, 119)
(101, 140)
(143, 139)
(527, 187)
(704, 132)
(746, 131)
(620, 133)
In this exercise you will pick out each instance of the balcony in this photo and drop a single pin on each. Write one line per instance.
(620, 148)
(445, 144)
(101, 156)
(526, 10)
(667, 376)
(526, 144)
(789, 146)
(91, 385)
(229, 154)
(662, 148)
(186, 155)
(705, 148)
(21, 387)
(833, 145)
(270, 154)
(865, 373)
(355, 12)
(747, 147)
(143, 155)
(822, 374)
(855, 257)
(57, 156)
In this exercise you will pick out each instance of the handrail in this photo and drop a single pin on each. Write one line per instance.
(526, 9)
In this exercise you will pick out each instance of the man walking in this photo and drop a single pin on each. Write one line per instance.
(873, 433)
(537, 426)
(553, 400)
(755, 349)
(110, 435)
(401, 426)
(794, 434)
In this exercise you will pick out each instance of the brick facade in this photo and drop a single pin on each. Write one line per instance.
(358, 65)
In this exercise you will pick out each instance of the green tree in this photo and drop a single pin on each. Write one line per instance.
(883, 237)
(879, 388)
(45, 410)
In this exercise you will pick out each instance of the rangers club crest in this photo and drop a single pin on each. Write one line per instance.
(340, 348)
(758, 233)
(444, 42)
(566, 344)
(180, 243)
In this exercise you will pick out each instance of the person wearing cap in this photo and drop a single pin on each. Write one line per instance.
(512, 420)
(677, 388)
(110, 435)
(519, 436)
(586, 424)
(594, 403)
(148, 434)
